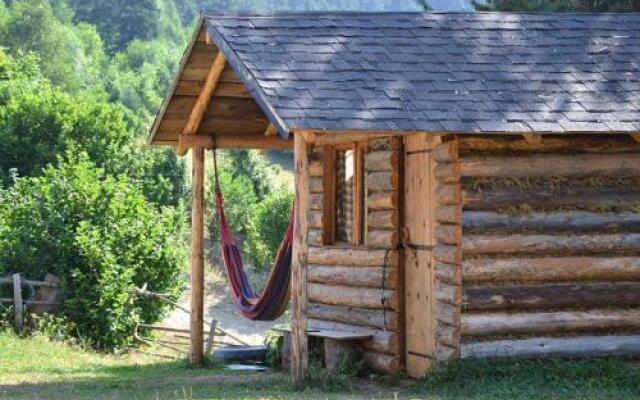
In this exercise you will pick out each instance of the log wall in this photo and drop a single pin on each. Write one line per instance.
(357, 289)
(550, 255)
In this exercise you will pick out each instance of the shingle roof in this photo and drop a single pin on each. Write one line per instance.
(453, 72)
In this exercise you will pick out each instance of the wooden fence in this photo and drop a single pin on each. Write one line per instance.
(44, 298)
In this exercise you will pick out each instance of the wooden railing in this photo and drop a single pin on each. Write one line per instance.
(42, 298)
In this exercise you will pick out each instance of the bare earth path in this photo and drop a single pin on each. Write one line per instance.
(219, 306)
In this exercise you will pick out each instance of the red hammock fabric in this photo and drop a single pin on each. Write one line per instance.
(272, 302)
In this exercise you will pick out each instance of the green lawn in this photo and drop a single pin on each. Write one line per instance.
(36, 368)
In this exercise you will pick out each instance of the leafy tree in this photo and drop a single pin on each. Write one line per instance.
(101, 236)
(71, 55)
(119, 21)
(253, 165)
(559, 5)
(271, 221)
(38, 121)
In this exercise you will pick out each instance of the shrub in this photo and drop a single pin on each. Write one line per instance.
(101, 236)
(271, 221)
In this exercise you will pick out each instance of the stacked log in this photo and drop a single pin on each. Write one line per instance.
(356, 289)
(550, 256)
(382, 185)
(316, 196)
(447, 290)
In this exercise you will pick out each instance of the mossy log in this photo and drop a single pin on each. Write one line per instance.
(554, 322)
(551, 296)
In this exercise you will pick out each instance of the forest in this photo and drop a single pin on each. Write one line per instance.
(81, 194)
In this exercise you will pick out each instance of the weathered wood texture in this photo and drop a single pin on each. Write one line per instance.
(447, 252)
(550, 245)
(354, 289)
(581, 346)
(299, 345)
(197, 256)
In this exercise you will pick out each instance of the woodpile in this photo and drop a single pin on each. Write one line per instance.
(550, 256)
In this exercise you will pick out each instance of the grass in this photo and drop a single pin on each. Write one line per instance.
(35, 368)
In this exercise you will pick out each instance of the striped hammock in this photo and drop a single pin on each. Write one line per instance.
(273, 301)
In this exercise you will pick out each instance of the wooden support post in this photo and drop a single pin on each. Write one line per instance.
(17, 300)
(299, 348)
(197, 256)
(212, 333)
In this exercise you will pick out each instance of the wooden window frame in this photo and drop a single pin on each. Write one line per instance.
(359, 224)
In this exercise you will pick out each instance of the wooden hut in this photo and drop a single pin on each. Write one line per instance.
(469, 184)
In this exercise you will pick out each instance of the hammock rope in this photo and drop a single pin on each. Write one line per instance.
(273, 301)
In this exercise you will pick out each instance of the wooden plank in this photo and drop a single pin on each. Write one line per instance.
(553, 322)
(574, 347)
(419, 306)
(354, 316)
(559, 221)
(238, 142)
(337, 335)
(299, 345)
(232, 90)
(550, 269)
(385, 342)
(584, 165)
(552, 296)
(197, 257)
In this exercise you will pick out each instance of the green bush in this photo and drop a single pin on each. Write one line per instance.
(271, 219)
(101, 236)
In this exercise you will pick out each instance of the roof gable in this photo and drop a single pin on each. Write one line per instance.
(438, 72)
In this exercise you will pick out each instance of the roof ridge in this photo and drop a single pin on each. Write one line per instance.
(284, 14)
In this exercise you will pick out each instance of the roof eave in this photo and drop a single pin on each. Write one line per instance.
(249, 81)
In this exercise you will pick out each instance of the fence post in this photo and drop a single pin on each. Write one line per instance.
(17, 300)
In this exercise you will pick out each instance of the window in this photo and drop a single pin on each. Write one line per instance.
(344, 195)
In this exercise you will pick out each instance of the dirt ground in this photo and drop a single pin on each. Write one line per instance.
(219, 305)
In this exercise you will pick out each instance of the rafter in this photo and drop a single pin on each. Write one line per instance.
(271, 130)
(204, 98)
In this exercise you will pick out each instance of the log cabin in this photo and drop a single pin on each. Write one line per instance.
(468, 183)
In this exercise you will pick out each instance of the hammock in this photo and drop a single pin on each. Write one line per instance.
(272, 302)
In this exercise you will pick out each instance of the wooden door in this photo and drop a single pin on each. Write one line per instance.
(419, 191)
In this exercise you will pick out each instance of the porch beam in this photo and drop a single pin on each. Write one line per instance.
(197, 257)
(299, 346)
(204, 98)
